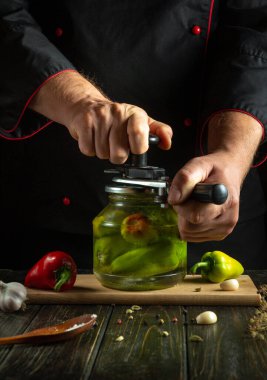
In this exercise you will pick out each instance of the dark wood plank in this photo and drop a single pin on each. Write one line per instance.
(259, 277)
(144, 353)
(227, 352)
(13, 324)
(72, 359)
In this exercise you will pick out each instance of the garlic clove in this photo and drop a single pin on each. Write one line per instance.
(231, 284)
(206, 318)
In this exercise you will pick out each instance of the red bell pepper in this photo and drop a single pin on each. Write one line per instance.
(56, 270)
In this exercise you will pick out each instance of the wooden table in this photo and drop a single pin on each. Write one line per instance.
(227, 351)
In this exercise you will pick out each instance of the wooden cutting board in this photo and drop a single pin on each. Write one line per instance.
(88, 290)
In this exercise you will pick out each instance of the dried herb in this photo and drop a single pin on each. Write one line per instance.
(196, 338)
(258, 323)
(136, 307)
(129, 311)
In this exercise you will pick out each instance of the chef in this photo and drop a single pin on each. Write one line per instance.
(83, 83)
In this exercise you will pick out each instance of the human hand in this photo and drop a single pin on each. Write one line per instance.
(111, 130)
(198, 221)
(106, 129)
(233, 138)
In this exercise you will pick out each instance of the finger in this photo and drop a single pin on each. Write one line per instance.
(195, 171)
(138, 131)
(217, 229)
(118, 143)
(198, 213)
(163, 131)
(86, 144)
(102, 124)
(189, 233)
(202, 239)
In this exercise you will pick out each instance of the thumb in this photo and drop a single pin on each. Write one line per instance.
(195, 171)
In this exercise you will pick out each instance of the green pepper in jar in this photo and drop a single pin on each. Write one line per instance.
(137, 229)
(154, 259)
(102, 223)
(108, 248)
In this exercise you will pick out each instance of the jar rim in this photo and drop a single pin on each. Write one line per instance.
(129, 190)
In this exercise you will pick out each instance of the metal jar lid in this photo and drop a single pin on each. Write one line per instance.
(129, 190)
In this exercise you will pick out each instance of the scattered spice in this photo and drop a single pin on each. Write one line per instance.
(258, 323)
(75, 326)
(165, 333)
(136, 307)
(196, 338)
(119, 338)
(129, 311)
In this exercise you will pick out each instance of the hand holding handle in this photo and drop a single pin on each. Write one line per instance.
(210, 193)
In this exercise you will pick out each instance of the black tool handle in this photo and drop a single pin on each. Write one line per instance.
(140, 160)
(210, 193)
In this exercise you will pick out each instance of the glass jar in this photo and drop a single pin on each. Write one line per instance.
(136, 242)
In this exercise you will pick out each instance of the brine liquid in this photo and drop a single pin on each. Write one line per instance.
(155, 259)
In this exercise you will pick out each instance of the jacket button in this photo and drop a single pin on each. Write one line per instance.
(196, 30)
(188, 122)
(59, 32)
(66, 201)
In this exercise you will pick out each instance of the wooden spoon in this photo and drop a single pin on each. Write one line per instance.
(66, 330)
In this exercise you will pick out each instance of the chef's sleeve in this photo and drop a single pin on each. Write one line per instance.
(237, 65)
(28, 60)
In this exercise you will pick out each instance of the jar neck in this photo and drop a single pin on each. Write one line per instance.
(142, 199)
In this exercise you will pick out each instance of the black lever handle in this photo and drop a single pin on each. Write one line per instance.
(140, 160)
(203, 192)
(210, 193)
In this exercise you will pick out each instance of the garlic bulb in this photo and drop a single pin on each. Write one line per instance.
(12, 296)
(206, 318)
(231, 284)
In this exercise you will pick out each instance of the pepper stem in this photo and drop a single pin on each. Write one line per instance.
(201, 264)
(63, 275)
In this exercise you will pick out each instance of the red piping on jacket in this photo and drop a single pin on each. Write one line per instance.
(209, 23)
(236, 110)
(26, 106)
(233, 109)
(199, 134)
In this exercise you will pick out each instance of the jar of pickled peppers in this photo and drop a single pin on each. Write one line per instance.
(137, 245)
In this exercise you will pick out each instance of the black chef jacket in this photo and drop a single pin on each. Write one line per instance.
(180, 60)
